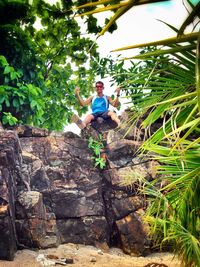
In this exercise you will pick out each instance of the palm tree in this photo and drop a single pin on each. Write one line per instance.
(170, 92)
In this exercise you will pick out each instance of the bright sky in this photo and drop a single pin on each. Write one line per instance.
(139, 25)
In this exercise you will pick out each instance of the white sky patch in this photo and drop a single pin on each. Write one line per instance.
(140, 25)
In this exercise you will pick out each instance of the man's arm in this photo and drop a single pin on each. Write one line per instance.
(115, 102)
(81, 101)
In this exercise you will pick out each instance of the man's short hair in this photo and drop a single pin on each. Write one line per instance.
(100, 83)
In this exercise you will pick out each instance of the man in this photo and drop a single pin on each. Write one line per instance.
(100, 104)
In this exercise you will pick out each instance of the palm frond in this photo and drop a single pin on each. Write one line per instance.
(190, 18)
(183, 38)
(198, 71)
(103, 9)
(163, 52)
(100, 2)
(117, 15)
(188, 246)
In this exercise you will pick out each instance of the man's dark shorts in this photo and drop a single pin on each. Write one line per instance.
(103, 115)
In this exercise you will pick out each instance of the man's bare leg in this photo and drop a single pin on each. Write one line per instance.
(88, 119)
(82, 124)
(114, 117)
(78, 121)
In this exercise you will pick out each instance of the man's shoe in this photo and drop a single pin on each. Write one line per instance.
(78, 121)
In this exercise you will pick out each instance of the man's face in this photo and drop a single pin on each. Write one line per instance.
(99, 88)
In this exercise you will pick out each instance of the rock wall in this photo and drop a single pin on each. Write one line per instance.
(10, 163)
(51, 193)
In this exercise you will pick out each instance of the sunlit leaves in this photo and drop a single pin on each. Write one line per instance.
(96, 146)
(19, 102)
(9, 119)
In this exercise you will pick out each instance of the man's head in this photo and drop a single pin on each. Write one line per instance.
(99, 87)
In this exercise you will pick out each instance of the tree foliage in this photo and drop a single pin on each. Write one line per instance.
(43, 43)
(19, 101)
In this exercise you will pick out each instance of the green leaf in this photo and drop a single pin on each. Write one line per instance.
(96, 150)
(33, 104)
(13, 75)
(16, 103)
(7, 69)
(7, 102)
(3, 61)
(9, 119)
(185, 126)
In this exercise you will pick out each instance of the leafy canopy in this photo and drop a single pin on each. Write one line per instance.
(43, 63)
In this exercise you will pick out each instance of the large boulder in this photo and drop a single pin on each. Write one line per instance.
(133, 236)
(35, 227)
(86, 230)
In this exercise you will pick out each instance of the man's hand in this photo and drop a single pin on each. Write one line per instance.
(77, 90)
(115, 102)
(118, 90)
(81, 101)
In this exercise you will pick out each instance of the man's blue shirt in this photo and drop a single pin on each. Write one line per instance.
(100, 104)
